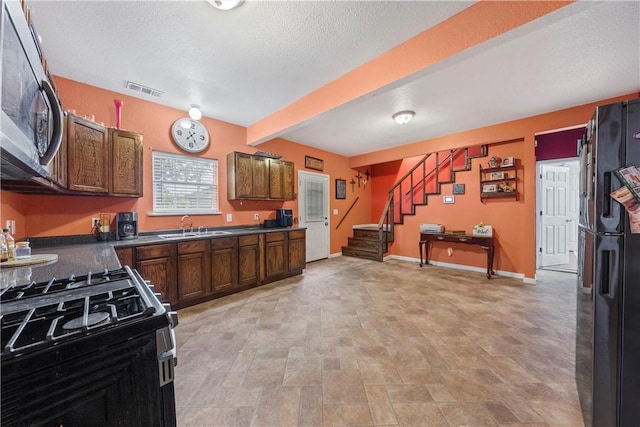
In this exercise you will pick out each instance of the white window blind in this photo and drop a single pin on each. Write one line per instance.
(184, 184)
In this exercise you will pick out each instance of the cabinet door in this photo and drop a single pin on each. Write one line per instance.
(248, 259)
(275, 255)
(260, 177)
(224, 263)
(243, 176)
(87, 156)
(126, 170)
(297, 250)
(288, 181)
(125, 256)
(157, 263)
(275, 179)
(194, 275)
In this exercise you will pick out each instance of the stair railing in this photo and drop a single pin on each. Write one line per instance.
(347, 212)
(387, 219)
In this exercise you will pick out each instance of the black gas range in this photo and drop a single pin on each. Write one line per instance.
(90, 350)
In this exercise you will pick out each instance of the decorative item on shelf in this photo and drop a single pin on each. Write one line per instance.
(482, 230)
(458, 189)
(267, 154)
(353, 185)
(118, 103)
(497, 175)
(508, 161)
(489, 188)
(313, 163)
(505, 187)
(341, 188)
(494, 162)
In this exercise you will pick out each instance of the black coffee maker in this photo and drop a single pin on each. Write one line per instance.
(126, 225)
(284, 217)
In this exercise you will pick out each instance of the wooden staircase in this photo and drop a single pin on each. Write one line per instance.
(413, 189)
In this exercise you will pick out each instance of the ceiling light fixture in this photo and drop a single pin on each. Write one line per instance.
(403, 117)
(225, 4)
(194, 112)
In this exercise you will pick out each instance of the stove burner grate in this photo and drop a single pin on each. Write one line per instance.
(92, 319)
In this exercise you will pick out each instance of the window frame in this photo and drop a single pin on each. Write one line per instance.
(197, 163)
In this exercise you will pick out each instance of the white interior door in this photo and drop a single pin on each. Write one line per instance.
(554, 215)
(313, 208)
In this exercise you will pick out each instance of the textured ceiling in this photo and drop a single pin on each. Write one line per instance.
(243, 65)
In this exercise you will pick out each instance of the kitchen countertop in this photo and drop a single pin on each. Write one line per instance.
(79, 259)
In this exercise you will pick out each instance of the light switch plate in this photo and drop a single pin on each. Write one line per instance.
(335, 211)
(229, 217)
(448, 199)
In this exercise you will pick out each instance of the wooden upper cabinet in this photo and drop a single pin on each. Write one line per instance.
(256, 177)
(87, 156)
(126, 165)
(247, 176)
(281, 180)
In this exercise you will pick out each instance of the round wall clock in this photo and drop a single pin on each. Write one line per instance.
(190, 135)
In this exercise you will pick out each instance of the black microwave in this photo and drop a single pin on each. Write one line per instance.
(31, 119)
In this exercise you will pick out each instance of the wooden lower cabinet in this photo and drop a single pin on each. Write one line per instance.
(157, 263)
(248, 260)
(194, 270)
(297, 250)
(224, 264)
(275, 251)
(125, 256)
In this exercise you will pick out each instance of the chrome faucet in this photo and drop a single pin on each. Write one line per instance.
(185, 222)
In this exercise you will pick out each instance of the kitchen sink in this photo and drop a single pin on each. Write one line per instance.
(192, 234)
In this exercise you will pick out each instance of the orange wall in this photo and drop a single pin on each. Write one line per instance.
(514, 222)
(38, 215)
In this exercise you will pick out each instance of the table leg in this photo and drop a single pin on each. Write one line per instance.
(420, 244)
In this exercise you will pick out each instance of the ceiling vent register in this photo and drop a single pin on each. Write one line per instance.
(144, 89)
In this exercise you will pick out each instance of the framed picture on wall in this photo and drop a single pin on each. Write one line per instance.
(341, 188)
(458, 188)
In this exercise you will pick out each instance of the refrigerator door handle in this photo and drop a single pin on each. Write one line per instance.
(606, 198)
(607, 272)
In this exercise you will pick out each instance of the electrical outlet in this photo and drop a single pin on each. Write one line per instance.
(229, 217)
(11, 225)
(256, 217)
(95, 222)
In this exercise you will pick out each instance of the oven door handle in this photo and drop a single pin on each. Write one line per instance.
(56, 112)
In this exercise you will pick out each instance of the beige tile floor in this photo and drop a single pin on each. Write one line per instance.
(360, 343)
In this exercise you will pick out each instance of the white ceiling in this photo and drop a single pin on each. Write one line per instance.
(243, 65)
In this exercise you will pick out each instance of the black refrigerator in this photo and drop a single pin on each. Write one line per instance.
(608, 297)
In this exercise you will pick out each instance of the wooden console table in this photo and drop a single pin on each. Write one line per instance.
(485, 243)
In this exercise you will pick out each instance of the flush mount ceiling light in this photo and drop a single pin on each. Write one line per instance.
(194, 112)
(403, 117)
(225, 4)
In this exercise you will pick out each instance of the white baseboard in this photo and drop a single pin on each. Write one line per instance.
(527, 280)
(466, 268)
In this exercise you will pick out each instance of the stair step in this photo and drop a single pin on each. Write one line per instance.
(359, 253)
(366, 244)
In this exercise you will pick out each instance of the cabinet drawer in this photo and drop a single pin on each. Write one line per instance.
(224, 242)
(276, 237)
(248, 240)
(153, 251)
(298, 234)
(192, 247)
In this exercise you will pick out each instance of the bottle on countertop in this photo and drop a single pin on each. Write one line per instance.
(11, 244)
(5, 250)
